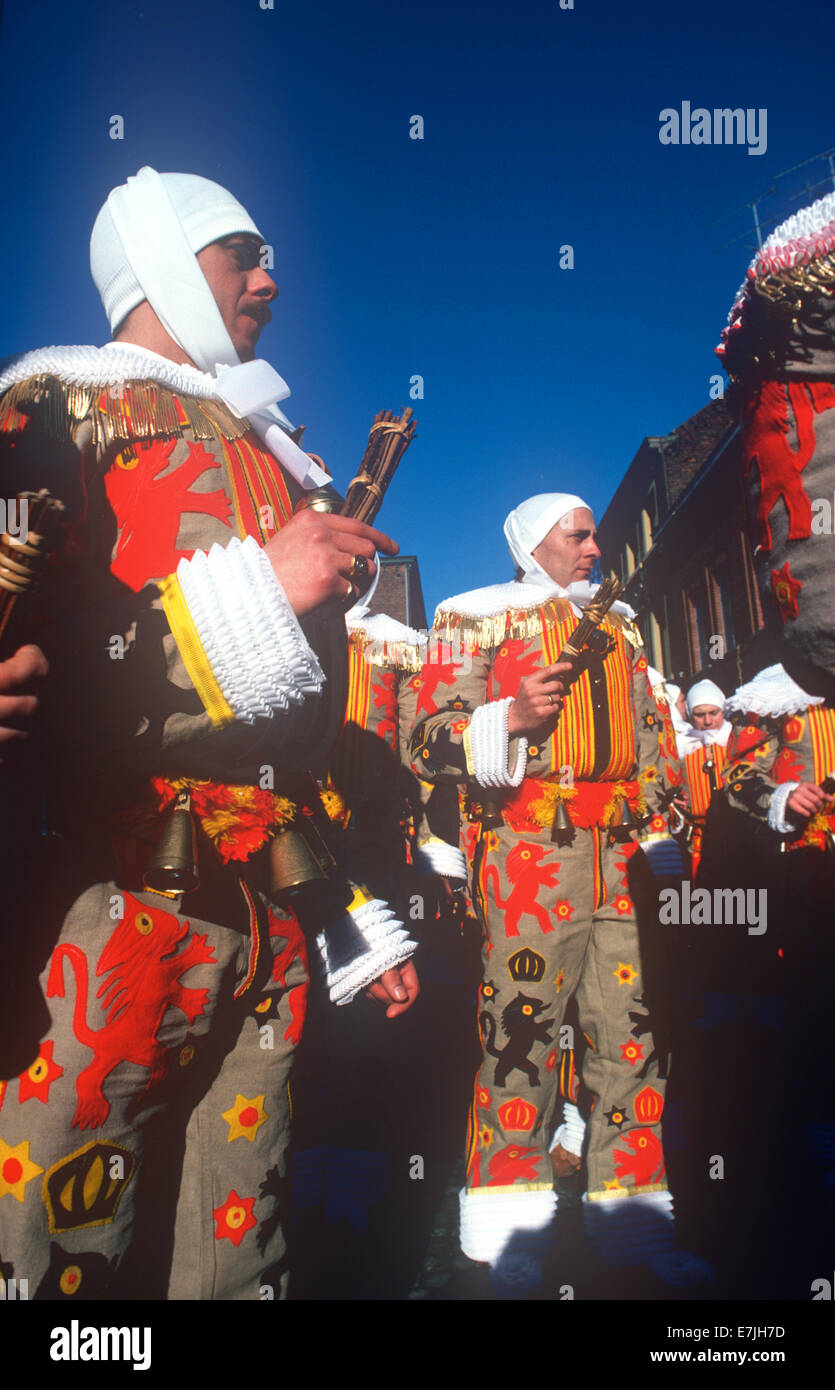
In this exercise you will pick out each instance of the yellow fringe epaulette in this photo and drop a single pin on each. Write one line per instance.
(125, 411)
(384, 652)
(513, 623)
(490, 630)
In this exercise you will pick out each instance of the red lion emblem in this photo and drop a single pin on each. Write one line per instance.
(527, 875)
(148, 503)
(144, 967)
(645, 1162)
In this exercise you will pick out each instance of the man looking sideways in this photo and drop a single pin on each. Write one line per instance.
(560, 772)
(194, 629)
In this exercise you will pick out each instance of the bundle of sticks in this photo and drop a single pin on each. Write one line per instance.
(586, 634)
(21, 560)
(388, 441)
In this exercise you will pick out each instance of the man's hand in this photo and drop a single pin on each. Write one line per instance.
(397, 988)
(805, 801)
(539, 699)
(312, 557)
(17, 702)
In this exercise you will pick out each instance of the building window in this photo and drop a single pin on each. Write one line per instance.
(755, 611)
(652, 507)
(721, 593)
(698, 624)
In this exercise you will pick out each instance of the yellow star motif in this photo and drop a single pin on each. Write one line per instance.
(245, 1117)
(625, 974)
(16, 1169)
(614, 1186)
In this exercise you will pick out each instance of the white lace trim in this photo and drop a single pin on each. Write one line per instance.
(259, 655)
(105, 366)
(797, 241)
(499, 598)
(489, 745)
(379, 627)
(490, 1221)
(771, 692)
(436, 856)
(351, 965)
(803, 237)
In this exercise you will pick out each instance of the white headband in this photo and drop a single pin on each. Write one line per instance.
(705, 693)
(144, 246)
(528, 524)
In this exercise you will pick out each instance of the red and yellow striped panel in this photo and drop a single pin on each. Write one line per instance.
(698, 783)
(573, 742)
(822, 735)
(259, 492)
(347, 758)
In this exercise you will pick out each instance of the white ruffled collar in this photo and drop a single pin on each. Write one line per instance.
(498, 598)
(772, 692)
(106, 366)
(379, 627)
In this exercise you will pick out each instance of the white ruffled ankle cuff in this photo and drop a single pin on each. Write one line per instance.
(437, 856)
(497, 1224)
(489, 744)
(259, 655)
(571, 1132)
(360, 946)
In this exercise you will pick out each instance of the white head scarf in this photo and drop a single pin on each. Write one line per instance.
(705, 693)
(144, 246)
(528, 524)
(708, 693)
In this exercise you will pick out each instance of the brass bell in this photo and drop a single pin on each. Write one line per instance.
(625, 826)
(562, 830)
(491, 813)
(172, 867)
(320, 499)
(292, 865)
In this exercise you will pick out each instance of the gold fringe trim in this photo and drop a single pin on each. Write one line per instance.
(492, 629)
(121, 411)
(405, 656)
(792, 284)
(512, 623)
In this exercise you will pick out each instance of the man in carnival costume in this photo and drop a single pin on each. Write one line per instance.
(194, 630)
(561, 775)
(779, 349)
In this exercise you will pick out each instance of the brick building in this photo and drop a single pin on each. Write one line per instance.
(399, 592)
(676, 534)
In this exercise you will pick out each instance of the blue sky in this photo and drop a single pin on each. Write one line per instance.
(440, 256)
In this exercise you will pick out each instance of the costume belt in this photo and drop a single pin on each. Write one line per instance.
(533, 806)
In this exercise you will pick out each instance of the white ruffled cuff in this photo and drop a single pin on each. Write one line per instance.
(628, 1230)
(436, 856)
(777, 809)
(259, 655)
(360, 946)
(489, 744)
(494, 1224)
(571, 1132)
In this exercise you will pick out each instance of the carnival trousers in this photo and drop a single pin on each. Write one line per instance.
(142, 1149)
